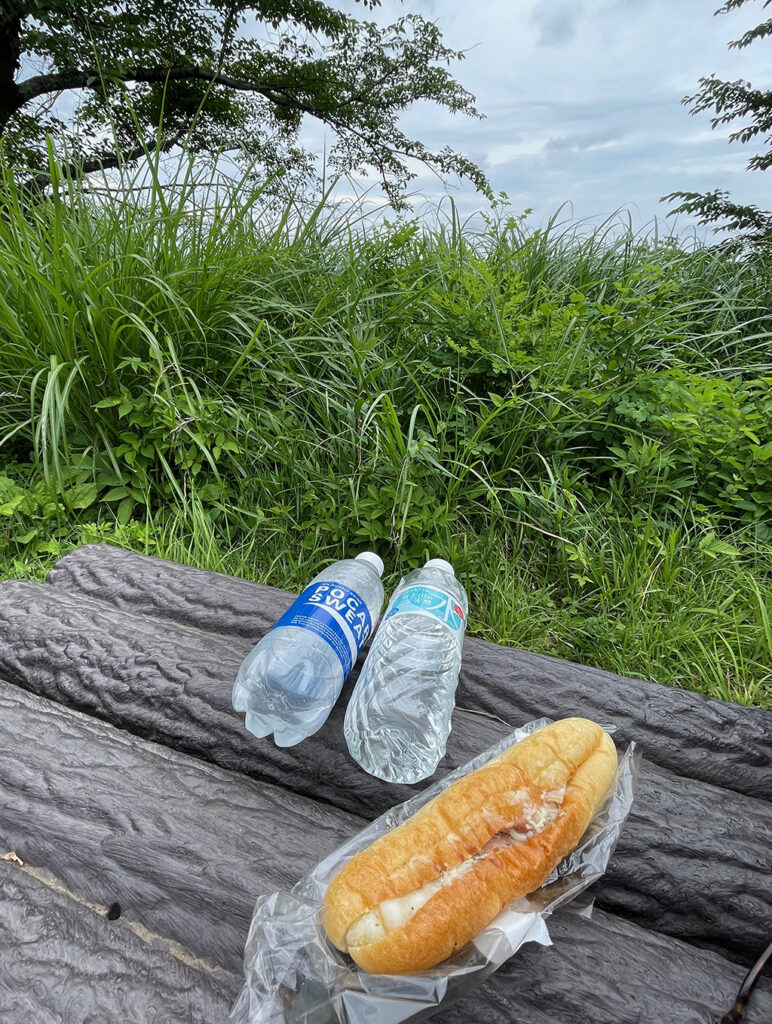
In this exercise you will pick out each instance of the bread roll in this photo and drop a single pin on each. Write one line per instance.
(427, 887)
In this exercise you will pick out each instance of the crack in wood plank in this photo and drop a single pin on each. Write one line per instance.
(150, 938)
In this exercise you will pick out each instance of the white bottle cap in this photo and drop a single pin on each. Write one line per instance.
(375, 561)
(440, 563)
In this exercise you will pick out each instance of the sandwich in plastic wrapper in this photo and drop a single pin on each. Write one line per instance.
(294, 975)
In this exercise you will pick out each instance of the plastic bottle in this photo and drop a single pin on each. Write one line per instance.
(398, 719)
(287, 685)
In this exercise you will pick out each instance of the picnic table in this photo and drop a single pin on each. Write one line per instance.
(139, 820)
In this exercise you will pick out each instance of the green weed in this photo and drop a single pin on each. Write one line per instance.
(579, 419)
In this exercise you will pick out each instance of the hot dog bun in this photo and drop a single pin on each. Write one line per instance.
(426, 888)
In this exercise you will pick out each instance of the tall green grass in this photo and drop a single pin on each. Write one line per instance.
(578, 418)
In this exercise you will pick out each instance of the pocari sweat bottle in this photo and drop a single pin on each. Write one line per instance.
(398, 719)
(290, 681)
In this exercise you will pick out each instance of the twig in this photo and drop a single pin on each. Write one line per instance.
(472, 711)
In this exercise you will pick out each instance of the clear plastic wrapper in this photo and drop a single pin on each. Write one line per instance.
(294, 975)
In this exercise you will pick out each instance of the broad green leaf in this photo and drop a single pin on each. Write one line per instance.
(82, 496)
(116, 494)
(125, 509)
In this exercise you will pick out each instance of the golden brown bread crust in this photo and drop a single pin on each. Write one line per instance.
(569, 765)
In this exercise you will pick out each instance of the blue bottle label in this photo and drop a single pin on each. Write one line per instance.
(335, 613)
(435, 603)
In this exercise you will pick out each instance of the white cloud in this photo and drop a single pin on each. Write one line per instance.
(507, 152)
(583, 100)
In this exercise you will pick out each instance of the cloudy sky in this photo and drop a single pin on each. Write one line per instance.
(582, 100)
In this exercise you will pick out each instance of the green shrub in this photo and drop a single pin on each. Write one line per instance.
(580, 420)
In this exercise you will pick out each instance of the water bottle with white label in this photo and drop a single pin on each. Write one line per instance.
(398, 719)
(290, 681)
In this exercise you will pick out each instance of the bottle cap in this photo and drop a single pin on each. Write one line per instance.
(440, 563)
(375, 561)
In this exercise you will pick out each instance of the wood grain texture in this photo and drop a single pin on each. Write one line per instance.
(692, 859)
(643, 980)
(719, 742)
(185, 847)
(64, 963)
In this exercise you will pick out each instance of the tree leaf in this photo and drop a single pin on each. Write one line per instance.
(125, 509)
(134, 47)
(81, 496)
(116, 494)
(25, 538)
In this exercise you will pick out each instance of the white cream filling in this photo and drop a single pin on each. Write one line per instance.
(396, 912)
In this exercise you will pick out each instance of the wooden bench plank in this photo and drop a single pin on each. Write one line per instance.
(692, 858)
(186, 846)
(719, 742)
(63, 962)
(182, 845)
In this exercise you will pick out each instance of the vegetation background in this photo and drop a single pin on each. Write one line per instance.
(228, 374)
(579, 420)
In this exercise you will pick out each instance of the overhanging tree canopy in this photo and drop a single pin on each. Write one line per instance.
(222, 75)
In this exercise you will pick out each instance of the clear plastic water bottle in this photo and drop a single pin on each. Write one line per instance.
(287, 685)
(398, 719)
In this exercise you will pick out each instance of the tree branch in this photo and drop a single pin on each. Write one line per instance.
(41, 85)
(37, 184)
